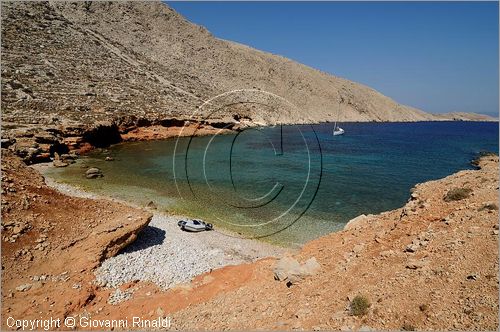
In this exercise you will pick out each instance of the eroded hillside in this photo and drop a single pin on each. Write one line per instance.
(82, 74)
(90, 61)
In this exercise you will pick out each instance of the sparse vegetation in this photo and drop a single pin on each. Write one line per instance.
(423, 307)
(457, 194)
(407, 327)
(488, 206)
(359, 305)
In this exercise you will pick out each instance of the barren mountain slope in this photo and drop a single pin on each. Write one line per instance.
(461, 116)
(54, 69)
(83, 74)
(168, 39)
(102, 60)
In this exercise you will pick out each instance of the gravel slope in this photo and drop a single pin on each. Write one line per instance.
(166, 256)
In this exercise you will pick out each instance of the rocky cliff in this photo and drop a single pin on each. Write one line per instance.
(461, 116)
(51, 243)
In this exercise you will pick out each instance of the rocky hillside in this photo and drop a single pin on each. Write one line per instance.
(461, 116)
(431, 265)
(92, 61)
(81, 74)
(49, 252)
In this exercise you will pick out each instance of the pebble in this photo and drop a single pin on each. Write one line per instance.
(23, 288)
(119, 296)
(166, 256)
(411, 248)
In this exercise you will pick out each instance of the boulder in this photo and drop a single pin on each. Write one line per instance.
(311, 266)
(286, 266)
(42, 157)
(19, 228)
(412, 247)
(414, 264)
(23, 288)
(6, 142)
(59, 163)
(15, 84)
(93, 173)
(68, 157)
(356, 222)
(152, 205)
(45, 138)
(290, 270)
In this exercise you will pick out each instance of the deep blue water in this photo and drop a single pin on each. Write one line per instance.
(290, 184)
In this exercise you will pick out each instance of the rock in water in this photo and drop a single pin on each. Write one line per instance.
(93, 173)
(59, 163)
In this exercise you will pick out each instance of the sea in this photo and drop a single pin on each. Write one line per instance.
(284, 184)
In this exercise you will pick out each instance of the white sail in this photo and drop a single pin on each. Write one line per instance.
(336, 129)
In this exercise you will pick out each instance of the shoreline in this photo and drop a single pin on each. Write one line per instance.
(414, 266)
(37, 144)
(162, 240)
(381, 256)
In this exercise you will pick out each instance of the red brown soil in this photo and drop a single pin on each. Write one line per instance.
(79, 234)
(450, 281)
(150, 302)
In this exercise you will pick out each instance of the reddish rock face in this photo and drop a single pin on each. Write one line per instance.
(51, 242)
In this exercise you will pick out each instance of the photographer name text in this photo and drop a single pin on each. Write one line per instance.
(86, 322)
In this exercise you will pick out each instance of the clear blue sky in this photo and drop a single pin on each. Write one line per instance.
(436, 56)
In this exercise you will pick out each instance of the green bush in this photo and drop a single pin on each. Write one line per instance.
(359, 306)
(457, 194)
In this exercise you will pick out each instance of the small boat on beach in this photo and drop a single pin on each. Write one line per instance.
(194, 225)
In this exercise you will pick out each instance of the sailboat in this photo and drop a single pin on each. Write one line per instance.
(336, 129)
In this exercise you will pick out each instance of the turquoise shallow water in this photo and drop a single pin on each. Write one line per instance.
(286, 185)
